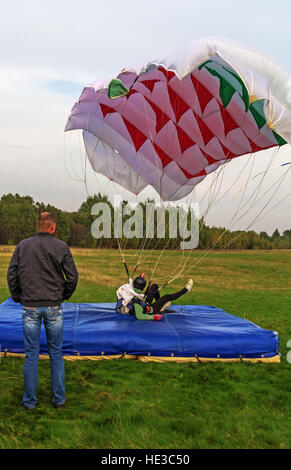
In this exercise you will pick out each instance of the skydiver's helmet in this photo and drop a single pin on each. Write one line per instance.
(140, 282)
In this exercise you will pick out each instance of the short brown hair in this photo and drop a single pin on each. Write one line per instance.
(45, 220)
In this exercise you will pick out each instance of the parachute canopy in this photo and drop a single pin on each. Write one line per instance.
(171, 122)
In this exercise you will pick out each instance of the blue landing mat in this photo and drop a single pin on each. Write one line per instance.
(188, 331)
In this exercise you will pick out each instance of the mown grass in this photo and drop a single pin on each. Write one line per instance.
(128, 404)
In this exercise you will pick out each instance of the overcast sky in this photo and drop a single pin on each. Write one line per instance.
(51, 49)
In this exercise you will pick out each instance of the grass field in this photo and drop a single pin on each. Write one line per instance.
(123, 404)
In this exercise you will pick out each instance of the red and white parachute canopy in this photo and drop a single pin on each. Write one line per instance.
(172, 121)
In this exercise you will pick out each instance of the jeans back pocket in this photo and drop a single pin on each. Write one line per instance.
(29, 313)
(55, 313)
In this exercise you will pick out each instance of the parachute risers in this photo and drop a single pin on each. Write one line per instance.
(189, 333)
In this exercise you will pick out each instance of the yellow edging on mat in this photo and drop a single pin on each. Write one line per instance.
(274, 359)
(196, 359)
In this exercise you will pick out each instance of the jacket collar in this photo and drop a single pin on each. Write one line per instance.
(43, 234)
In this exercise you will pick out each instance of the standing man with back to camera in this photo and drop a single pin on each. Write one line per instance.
(41, 275)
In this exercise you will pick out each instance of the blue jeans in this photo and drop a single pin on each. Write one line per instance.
(53, 322)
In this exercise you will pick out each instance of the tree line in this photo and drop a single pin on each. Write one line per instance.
(19, 214)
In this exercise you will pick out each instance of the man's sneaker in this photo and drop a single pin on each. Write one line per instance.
(189, 285)
(164, 307)
(26, 407)
(59, 405)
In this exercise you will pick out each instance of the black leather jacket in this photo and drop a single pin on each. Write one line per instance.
(42, 271)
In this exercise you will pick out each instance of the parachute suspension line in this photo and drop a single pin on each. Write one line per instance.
(101, 188)
(65, 162)
(164, 248)
(134, 271)
(159, 257)
(118, 243)
(119, 247)
(234, 181)
(232, 220)
(179, 267)
(156, 264)
(214, 176)
(143, 244)
(209, 250)
(210, 205)
(243, 194)
(84, 169)
(121, 250)
(227, 191)
(158, 260)
(256, 200)
(65, 156)
(81, 158)
(71, 160)
(257, 190)
(213, 192)
(198, 262)
(106, 151)
(123, 258)
(280, 182)
(252, 222)
(177, 271)
(276, 205)
(141, 248)
(254, 194)
(138, 260)
(99, 140)
(237, 211)
(212, 197)
(97, 180)
(167, 243)
(259, 216)
(160, 192)
(211, 200)
(162, 252)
